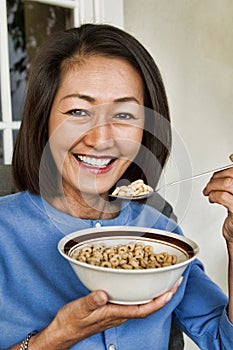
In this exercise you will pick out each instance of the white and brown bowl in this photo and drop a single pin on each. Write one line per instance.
(129, 286)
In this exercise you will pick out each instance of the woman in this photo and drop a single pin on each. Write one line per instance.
(95, 114)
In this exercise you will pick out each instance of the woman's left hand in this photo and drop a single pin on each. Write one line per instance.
(220, 190)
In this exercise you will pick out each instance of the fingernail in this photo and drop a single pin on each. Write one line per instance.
(168, 296)
(99, 298)
(180, 280)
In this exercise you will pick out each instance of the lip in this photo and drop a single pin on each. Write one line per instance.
(93, 169)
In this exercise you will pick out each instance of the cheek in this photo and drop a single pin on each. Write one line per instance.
(65, 135)
(60, 141)
(137, 140)
(131, 145)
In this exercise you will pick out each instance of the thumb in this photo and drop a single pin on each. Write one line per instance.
(96, 299)
(231, 157)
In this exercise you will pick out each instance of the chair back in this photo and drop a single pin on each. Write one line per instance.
(6, 180)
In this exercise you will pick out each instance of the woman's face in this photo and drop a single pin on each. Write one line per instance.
(96, 123)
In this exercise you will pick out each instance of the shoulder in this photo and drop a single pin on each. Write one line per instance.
(12, 209)
(14, 204)
(21, 217)
(12, 200)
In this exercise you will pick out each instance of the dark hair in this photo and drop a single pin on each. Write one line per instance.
(44, 80)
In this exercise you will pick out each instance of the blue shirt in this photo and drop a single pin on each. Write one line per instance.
(36, 281)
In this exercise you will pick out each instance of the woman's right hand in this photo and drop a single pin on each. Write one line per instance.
(92, 314)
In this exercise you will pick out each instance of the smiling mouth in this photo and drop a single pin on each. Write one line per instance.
(94, 162)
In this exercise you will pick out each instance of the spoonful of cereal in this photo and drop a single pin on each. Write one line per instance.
(139, 190)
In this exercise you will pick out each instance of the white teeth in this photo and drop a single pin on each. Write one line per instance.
(96, 162)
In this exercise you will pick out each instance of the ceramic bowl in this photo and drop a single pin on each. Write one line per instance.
(129, 286)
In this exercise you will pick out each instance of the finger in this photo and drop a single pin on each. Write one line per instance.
(144, 310)
(223, 173)
(173, 290)
(155, 305)
(95, 300)
(231, 157)
(219, 184)
(223, 198)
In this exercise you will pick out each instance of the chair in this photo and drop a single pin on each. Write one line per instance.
(6, 180)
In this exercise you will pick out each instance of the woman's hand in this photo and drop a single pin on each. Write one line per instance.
(220, 190)
(92, 314)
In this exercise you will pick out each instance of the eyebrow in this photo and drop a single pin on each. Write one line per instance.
(93, 100)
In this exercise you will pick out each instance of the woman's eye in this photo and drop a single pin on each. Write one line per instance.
(124, 116)
(78, 112)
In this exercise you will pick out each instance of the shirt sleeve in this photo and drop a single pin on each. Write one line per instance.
(202, 312)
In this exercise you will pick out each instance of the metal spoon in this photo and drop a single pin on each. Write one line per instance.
(144, 196)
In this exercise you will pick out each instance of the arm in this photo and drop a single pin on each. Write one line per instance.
(89, 315)
(220, 190)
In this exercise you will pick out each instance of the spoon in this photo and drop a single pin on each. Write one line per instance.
(144, 196)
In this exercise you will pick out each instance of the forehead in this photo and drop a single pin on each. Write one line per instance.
(101, 76)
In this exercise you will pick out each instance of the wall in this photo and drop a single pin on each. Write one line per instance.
(192, 43)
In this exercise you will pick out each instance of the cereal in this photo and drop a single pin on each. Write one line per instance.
(124, 256)
(135, 189)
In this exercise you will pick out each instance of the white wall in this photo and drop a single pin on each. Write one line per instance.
(191, 42)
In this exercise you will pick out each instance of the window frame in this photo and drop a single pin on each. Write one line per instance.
(94, 11)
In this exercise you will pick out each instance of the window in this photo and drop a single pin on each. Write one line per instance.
(23, 26)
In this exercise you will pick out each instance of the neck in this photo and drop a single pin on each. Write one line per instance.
(86, 206)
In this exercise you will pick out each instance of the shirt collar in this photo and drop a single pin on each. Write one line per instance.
(67, 223)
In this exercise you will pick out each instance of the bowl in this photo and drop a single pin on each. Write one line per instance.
(124, 286)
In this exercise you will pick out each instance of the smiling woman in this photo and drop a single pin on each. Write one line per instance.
(95, 114)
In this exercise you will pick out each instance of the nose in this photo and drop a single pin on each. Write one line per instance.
(100, 137)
